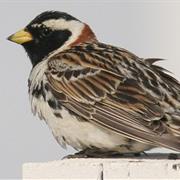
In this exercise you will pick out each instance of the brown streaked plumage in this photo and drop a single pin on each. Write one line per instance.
(99, 97)
(86, 35)
(133, 105)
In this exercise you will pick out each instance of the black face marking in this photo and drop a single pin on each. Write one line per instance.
(41, 46)
(46, 40)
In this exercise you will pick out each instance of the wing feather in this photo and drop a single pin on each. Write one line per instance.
(112, 97)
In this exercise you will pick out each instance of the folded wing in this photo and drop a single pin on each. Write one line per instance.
(92, 90)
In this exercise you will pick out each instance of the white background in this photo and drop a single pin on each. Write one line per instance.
(147, 28)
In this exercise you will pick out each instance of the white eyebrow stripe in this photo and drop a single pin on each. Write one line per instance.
(61, 24)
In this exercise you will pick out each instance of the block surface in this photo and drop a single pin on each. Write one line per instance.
(156, 166)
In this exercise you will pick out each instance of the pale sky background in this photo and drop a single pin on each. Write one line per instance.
(147, 28)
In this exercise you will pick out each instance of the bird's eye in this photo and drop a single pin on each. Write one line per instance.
(44, 31)
(40, 31)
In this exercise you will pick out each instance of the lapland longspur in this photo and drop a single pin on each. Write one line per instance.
(96, 97)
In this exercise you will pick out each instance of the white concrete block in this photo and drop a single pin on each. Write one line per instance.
(62, 169)
(146, 169)
(151, 167)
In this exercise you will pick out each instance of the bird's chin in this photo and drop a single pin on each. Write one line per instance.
(32, 52)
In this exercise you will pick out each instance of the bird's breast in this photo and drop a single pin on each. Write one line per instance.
(68, 128)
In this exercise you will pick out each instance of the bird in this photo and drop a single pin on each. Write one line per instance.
(97, 98)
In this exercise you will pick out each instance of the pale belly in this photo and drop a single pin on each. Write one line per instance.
(68, 130)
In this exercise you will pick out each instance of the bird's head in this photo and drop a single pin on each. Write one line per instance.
(51, 31)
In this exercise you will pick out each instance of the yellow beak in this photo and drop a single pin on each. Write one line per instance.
(21, 37)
